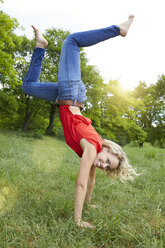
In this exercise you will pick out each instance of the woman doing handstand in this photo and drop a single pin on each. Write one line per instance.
(69, 94)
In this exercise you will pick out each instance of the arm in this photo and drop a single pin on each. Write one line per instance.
(86, 163)
(91, 183)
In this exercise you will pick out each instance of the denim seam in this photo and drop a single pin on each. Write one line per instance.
(27, 85)
(68, 74)
(31, 65)
(30, 68)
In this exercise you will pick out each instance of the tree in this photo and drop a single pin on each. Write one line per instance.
(119, 117)
(156, 132)
(8, 75)
(152, 116)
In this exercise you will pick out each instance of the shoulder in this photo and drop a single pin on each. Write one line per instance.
(89, 150)
(86, 144)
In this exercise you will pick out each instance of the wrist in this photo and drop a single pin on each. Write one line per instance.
(77, 220)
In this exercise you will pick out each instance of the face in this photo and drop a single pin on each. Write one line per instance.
(105, 159)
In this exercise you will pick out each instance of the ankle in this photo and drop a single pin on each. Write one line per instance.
(41, 45)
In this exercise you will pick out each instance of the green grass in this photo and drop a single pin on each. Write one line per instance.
(37, 184)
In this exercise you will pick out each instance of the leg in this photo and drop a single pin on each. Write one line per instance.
(31, 86)
(69, 75)
(70, 86)
(69, 68)
(93, 37)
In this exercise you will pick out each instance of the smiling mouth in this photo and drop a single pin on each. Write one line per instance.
(101, 165)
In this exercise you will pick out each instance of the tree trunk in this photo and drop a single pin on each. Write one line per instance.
(27, 116)
(27, 121)
(141, 144)
(32, 119)
(51, 120)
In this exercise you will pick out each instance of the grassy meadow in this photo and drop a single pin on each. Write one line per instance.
(37, 184)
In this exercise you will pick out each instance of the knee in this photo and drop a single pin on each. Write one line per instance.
(70, 39)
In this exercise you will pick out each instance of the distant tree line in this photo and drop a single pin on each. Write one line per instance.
(117, 114)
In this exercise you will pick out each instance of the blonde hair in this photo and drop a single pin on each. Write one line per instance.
(124, 171)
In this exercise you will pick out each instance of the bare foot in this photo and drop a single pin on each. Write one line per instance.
(40, 40)
(124, 27)
(85, 224)
(92, 206)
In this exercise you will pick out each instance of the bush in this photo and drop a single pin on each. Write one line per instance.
(38, 135)
(133, 143)
(159, 143)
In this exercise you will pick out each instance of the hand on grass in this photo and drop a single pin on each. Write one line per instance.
(85, 224)
(92, 206)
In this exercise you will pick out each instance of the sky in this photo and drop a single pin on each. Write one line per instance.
(140, 56)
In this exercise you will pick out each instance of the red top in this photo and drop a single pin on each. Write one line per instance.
(77, 127)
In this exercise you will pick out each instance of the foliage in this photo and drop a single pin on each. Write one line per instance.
(151, 117)
(8, 75)
(119, 115)
(8, 41)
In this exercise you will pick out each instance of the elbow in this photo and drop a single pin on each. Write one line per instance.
(80, 185)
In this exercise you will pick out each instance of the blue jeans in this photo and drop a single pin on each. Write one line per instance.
(69, 86)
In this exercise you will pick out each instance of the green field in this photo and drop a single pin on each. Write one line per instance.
(37, 184)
